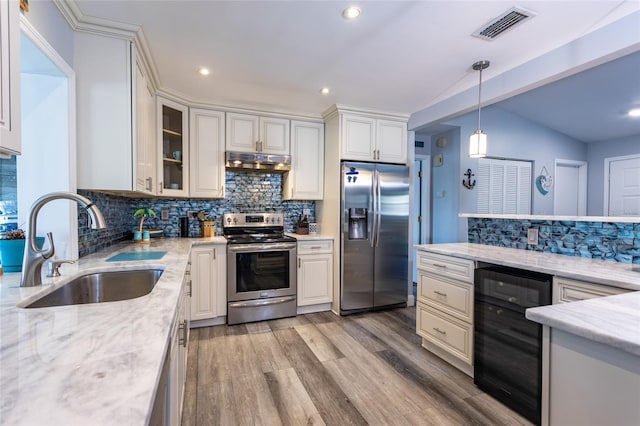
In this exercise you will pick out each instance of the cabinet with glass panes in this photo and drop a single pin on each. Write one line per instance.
(173, 119)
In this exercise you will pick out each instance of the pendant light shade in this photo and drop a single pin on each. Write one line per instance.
(478, 140)
(478, 144)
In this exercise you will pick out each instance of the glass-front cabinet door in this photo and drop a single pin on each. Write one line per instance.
(174, 150)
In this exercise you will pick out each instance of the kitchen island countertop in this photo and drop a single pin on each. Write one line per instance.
(94, 363)
(611, 320)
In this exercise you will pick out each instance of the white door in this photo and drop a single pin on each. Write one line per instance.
(420, 216)
(624, 186)
(570, 188)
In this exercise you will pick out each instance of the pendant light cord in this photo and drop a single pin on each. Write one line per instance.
(479, 97)
(479, 66)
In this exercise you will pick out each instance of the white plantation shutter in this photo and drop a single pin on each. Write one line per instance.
(496, 197)
(504, 186)
(524, 188)
(482, 186)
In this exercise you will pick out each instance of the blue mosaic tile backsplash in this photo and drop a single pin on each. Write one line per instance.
(612, 241)
(245, 192)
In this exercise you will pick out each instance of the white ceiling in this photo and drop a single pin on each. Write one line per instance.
(399, 56)
(590, 106)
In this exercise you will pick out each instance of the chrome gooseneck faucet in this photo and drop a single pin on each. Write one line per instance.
(33, 256)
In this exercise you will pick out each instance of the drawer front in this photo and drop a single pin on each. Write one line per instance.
(566, 290)
(447, 266)
(315, 246)
(446, 332)
(452, 296)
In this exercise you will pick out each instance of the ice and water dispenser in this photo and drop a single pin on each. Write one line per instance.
(357, 223)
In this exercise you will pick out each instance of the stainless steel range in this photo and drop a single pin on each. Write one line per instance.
(261, 272)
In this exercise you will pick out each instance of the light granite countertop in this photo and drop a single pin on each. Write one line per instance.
(611, 320)
(309, 237)
(93, 363)
(614, 274)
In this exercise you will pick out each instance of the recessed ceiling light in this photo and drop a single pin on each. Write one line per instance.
(351, 12)
(635, 112)
(324, 90)
(204, 71)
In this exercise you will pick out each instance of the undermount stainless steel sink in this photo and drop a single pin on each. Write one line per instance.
(101, 287)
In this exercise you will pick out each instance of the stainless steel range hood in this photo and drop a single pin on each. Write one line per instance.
(242, 161)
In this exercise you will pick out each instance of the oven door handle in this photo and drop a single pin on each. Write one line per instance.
(260, 247)
(261, 302)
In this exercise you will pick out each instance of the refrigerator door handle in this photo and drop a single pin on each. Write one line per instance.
(373, 209)
(378, 207)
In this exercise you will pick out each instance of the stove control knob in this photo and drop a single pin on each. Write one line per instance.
(228, 220)
(278, 220)
(235, 220)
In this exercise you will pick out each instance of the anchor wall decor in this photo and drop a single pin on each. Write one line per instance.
(467, 183)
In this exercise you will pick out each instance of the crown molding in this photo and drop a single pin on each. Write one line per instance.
(104, 27)
(244, 109)
(374, 113)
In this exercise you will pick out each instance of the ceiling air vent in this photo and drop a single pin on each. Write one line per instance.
(502, 23)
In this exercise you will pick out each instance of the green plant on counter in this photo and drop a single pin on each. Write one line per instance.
(16, 234)
(143, 213)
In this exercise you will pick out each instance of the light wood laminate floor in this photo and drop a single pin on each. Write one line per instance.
(320, 369)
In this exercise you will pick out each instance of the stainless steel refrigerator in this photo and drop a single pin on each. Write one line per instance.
(374, 236)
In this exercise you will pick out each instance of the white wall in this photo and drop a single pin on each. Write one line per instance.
(509, 136)
(49, 22)
(596, 153)
(45, 164)
(513, 137)
(445, 190)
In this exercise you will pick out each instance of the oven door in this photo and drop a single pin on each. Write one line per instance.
(258, 271)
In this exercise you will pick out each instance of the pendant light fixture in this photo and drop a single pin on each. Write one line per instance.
(478, 140)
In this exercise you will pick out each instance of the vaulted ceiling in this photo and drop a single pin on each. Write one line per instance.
(397, 56)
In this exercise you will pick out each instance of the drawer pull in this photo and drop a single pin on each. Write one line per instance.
(315, 248)
(439, 265)
(444, 333)
(439, 293)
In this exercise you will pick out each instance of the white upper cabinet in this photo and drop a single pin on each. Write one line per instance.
(10, 140)
(305, 180)
(391, 141)
(257, 134)
(206, 149)
(368, 138)
(115, 116)
(358, 137)
(173, 150)
(145, 117)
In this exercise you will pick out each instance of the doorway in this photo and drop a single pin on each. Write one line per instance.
(622, 186)
(48, 159)
(570, 188)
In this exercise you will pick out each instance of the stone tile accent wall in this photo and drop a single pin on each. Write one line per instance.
(245, 192)
(615, 242)
(8, 182)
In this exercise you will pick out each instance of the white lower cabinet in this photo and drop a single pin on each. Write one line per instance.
(178, 357)
(209, 284)
(444, 308)
(566, 290)
(315, 275)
